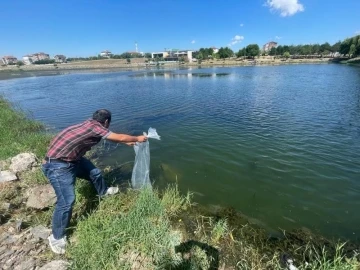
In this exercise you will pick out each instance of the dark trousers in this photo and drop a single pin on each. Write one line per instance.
(62, 176)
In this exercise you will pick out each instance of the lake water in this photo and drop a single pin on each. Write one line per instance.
(278, 143)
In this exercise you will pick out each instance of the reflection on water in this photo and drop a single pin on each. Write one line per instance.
(280, 144)
(171, 74)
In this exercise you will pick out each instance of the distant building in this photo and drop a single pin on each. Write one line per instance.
(27, 59)
(31, 58)
(59, 58)
(106, 53)
(215, 49)
(268, 46)
(173, 55)
(9, 60)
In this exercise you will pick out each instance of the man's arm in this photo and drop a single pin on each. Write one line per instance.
(124, 138)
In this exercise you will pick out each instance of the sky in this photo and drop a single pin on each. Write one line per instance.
(79, 28)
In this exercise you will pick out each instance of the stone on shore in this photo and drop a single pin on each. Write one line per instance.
(7, 176)
(41, 197)
(23, 162)
(55, 265)
(26, 265)
(4, 164)
(40, 232)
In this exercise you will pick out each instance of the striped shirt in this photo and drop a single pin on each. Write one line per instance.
(73, 142)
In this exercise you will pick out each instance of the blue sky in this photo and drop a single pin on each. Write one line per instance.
(84, 28)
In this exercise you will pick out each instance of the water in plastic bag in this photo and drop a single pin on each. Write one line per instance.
(141, 171)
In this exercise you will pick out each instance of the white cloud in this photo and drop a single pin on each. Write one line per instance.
(193, 42)
(235, 40)
(285, 7)
(241, 24)
(357, 32)
(277, 37)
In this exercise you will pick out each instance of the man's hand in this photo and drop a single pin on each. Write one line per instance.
(130, 143)
(142, 138)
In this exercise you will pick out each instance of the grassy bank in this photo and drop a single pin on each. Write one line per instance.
(20, 134)
(152, 229)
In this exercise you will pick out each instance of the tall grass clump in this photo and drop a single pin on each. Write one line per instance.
(322, 260)
(19, 134)
(128, 231)
(173, 202)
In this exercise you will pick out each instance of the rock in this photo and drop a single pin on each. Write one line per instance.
(6, 254)
(3, 249)
(40, 232)
(41, 197)
(7, 176)
(6, 206)
(6, 238)
(23, 162)
(55, 265)
(4, 164)
(26, 265)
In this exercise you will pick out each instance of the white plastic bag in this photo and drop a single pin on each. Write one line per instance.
(141, 171)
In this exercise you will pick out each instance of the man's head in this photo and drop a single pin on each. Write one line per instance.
(103, 117)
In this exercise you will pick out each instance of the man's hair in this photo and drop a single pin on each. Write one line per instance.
(102, 115)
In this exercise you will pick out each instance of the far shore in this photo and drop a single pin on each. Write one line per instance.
(111, 65)
(141, 63)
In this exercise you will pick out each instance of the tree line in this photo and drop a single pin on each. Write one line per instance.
(349, 47)
(125, 55)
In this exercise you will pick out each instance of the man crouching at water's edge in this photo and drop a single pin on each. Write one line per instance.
(64, 162)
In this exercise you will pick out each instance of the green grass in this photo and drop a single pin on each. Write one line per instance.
(19, 134)
(129, 229)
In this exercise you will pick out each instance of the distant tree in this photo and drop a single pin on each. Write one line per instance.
(336, 47)
(279, 50)
(293, 50)
(241, 52)
(215, 55)
(272, 51)
(126, 55)
(200, 56)
(253, 50)
(45, 61)
(306, 49)
(128, 60)
(352, 50)
(326, 47)
(210, 52)
(225, 52)
(19, 63)
(317, 49)
(286, 48)
(286, 55)
(147, 55)
(345, 46)
(206, 52)
(357, 52)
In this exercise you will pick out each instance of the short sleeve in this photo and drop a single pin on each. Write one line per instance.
(101, 131)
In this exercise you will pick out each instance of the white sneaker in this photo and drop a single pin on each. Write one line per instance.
(112, 191)
(57, 245)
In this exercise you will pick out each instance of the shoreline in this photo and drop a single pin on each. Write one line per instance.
(14, 72)
(141, 64)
